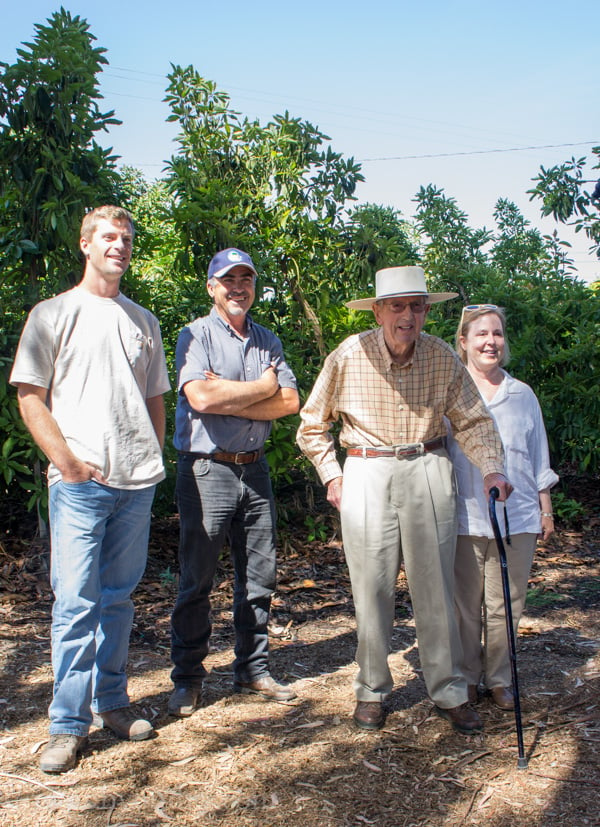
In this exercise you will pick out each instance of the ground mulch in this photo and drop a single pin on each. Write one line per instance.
(240, 761)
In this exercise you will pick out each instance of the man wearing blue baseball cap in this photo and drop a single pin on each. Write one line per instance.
(232, 381)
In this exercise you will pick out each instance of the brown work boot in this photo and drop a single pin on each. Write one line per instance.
(60, 753)
(267, 687)
(369, 715)
(463, 718)
(125, 724)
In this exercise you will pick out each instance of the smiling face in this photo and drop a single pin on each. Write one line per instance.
(233, 295)
(483, 343)
(402, 319)
(107, 255)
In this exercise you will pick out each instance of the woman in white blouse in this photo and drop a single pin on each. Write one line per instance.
(481, 344)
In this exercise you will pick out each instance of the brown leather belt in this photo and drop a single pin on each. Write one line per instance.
(240, 458)
(398, 451)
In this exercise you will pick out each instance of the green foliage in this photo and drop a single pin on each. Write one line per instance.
(553, 320)
(280, 191)
(19, 457)
(376, 237)
(566, 509)
(317, 529)
(540, 598)
(51, 168)
(564, 195)
(168, 579)
(450, 247)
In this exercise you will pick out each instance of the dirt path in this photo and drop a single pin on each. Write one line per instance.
(241, 761)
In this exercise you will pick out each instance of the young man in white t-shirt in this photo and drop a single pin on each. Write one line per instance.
(91, 374)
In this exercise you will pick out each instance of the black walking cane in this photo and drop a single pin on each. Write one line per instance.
(494, 493)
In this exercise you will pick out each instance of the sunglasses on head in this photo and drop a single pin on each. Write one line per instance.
(472, 307)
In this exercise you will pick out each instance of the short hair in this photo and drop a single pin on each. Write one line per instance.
(466, 320)
(214, 280)
(110, 213)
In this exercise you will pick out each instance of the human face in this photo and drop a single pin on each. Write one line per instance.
(233, 294)
(402, 319)
(107, 254)
(484, 343)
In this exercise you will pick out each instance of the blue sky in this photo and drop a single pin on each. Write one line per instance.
(384, 80)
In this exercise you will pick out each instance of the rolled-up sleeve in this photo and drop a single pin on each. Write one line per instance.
(316, 418)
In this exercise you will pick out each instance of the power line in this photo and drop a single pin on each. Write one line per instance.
(475, 152)
(260, 97)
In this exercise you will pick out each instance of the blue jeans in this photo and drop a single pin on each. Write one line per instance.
(99, 538)
(219, 502)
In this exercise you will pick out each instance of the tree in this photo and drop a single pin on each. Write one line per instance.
(51, 168)
(564, 195)
(377, 237)
(277, 190)
(450, 247)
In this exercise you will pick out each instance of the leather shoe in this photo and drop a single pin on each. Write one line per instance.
(184, 701)
(124, 723)
(503, 697)
(267, 687)
(464, 719)
(369, 715)
(473, 693)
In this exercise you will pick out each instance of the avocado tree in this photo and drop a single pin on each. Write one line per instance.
(570, 198)
(553, 318)
(278, 190)
(51, 168)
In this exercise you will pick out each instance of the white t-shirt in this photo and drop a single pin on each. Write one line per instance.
(518, 417)
(100, 359)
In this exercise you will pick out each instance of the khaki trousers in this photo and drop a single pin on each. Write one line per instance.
(396, 510)
(480, 603)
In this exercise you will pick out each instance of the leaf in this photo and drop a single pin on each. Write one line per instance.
(311, 725)
(183, 761)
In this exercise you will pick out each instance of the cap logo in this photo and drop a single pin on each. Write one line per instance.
(233, 255)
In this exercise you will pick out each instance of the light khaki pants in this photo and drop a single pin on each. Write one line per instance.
(394, 510)
(480, 603)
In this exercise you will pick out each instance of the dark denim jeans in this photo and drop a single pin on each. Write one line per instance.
(218, 502)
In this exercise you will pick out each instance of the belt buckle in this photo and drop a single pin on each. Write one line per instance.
(244, 457)
(418, 449)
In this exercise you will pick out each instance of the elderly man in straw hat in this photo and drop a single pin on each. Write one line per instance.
(391, 387)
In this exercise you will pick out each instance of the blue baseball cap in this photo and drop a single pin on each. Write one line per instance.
(223, 261)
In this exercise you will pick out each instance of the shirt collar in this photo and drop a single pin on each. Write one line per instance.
(216, 316)
(387, 356)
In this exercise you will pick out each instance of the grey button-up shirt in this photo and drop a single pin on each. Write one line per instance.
(209, 343)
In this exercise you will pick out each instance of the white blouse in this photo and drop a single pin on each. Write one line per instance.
(518, 417)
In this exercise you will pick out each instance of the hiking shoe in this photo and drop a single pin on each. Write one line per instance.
(125, 724)
(60, 753)
(184, 701)
(267, 687)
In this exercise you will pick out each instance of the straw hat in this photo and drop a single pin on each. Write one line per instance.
(393, 282)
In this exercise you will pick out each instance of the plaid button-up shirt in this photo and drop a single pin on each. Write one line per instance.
(381, 403)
